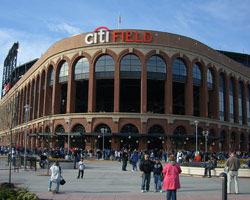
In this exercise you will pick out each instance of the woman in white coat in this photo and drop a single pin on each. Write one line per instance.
(55, 177)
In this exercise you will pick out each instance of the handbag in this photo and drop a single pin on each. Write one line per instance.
(62, 181)
(226, 169)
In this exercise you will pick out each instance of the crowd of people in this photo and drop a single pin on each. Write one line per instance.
(147, 161)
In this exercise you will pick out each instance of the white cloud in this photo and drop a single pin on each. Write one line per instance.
(64, 28)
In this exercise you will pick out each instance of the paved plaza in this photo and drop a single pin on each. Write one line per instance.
(104, 180)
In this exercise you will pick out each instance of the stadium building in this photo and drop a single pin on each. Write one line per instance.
(131, 88)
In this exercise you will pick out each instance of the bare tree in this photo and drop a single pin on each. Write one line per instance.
(8, 117)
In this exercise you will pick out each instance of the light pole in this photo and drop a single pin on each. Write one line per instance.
(69, 125)
(27, 109)
(103, 130)
(196, 122)
(205, 133)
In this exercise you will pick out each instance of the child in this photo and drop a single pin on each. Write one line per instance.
(157, 175)
(81, 167)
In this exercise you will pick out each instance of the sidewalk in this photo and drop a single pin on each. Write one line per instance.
(104, 180)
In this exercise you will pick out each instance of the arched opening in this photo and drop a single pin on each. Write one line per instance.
(81, 77)
(179, 137)
(233, 141)
(211, 94)
(63, 85)
(223, 141)
(242, 142)
(60, 137)
(156, 77)
(241, 103)
(222, 97)
(129, 142)
(157, 134)
(48, 107)
(37, 91)
(232, 100)
(179, 76)
(79, 140)
(103, 130)
(130, 84)
(104, 75)
(248, 105)
(41, 105)
(197, 84)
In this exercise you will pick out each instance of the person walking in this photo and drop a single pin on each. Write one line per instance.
(211, 165)
(55, 177)
(124, 160)
(134, 160)
(157, 169)
(81, 167)
(146, 168)
(233, 164)
(171, 181)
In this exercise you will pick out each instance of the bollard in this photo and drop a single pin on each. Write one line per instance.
(224, 185)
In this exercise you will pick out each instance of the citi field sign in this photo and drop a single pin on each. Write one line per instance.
(102, 35)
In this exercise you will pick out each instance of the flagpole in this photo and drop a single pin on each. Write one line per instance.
(119, 20)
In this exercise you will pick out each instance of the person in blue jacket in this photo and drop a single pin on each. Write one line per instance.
(134, 160)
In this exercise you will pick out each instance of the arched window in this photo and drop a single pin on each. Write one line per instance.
(156, 68)
(101, 127)
(79, 128)
(63, 74)
(51, 77)
(222, 97)
(179, 71)
(82, 69)
(104, 67)
(129, 128)
(241, 110)
(130, 66)
(156, 129)
(248, 105)
(210, 79)
(231, 100)
(47, 129)
(197, 79)
(180, 130)
(59, 129)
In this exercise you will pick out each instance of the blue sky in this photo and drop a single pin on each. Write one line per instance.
(220, 24)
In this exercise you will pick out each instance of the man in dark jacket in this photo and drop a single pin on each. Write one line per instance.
(157, 169)
(211, 165)
(146, 167)
(124, 160)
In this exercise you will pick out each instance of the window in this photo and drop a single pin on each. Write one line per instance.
(63, 74)
(222, 97)
(197, 80)
(179, 71)
(82, 69)
(248, 105)
(51, 77)
(105, 67)
(231, 101)
(130, 66)
(241, 119)
(156, 68)
(210, 80)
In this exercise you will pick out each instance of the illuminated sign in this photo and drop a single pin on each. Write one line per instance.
(102, 35)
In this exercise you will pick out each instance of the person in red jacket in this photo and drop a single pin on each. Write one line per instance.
(171, 181)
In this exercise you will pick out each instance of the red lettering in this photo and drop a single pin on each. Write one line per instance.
(136, 37)
(115, 35)
(147, 37)
(123, 36)
(128, 36)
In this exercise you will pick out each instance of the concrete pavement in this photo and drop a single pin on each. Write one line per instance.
(105, 180)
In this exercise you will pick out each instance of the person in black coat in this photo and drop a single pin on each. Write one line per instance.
(157, 169)
(124, 160)
(146, 168)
